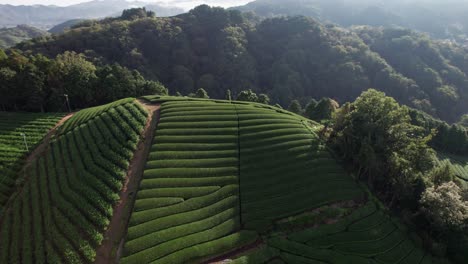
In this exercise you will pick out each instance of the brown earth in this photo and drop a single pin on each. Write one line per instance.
(111, 247)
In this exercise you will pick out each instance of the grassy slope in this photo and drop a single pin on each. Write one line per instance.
(64, 208)
(12, 148)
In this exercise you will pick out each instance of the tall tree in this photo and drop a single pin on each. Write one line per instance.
(295, 107)
(391, 153)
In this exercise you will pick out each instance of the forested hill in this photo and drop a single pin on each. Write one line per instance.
(11, 36)
(287, 57)
(47, 16)
(441, 19)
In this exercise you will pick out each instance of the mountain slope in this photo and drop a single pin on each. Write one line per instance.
(62, 27)
(222, 178)
(14, 147)
(210, 188)
(46, 17)
(67, 198)
(441, 20)
(12, 36)
(287, 58)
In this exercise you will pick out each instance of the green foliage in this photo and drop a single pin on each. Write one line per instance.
(12, 35)
(136, 13)
(67, 200)
(367, 234)
(295, 107)
(259, 255)
(464, 121)
(205, 154)
(12, 146)
(36, 83)
(445, 206)
(201, 93)
(207, 210)
(415, 15)
(448, 138)
(442, 174)
(263, 99)
(280, 57)
(376, 135)
(247, 96)
(323, 110)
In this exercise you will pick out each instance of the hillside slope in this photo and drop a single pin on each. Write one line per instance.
(287, 58)
(227, 176)
(14, 147)
(441, 20)
(61, 211)
(12, 36)
(47, 16)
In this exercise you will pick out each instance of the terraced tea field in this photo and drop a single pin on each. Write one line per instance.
(188, 203)
(368, 235)
(65, 206)
(284, 168)
(459, 165)
(207, 154)
(222, 180)
(12, 146)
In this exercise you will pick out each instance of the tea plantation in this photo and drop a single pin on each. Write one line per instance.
(64, 207)
(368, 235)
(188, 203)
(223, 181)
(12, 146)
(459, 166)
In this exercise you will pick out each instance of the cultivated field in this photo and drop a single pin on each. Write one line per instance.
(284, 168)
(188, 203)
(12, 146)
(368, 235)
(459, 165)
(223, 180)
(61, 213)
(205, 155)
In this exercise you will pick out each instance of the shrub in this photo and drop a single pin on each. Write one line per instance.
(445, 207)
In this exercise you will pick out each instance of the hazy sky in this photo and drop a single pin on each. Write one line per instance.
(180, 3)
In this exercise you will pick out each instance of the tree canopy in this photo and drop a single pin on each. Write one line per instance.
(37, 83)
(285, 58)
(375, 134)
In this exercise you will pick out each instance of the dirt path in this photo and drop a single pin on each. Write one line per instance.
(111, 248)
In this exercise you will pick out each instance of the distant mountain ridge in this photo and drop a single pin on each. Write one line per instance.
(45, 17)
(440, 19)
(11, 36)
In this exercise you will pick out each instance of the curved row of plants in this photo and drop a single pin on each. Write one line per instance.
(65, 206)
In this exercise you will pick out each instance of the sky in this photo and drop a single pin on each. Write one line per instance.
(186, 4)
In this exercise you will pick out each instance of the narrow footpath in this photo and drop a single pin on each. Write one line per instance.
(111, 248)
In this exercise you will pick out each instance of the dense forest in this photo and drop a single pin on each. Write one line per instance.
(37, 83)
(287, 58)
